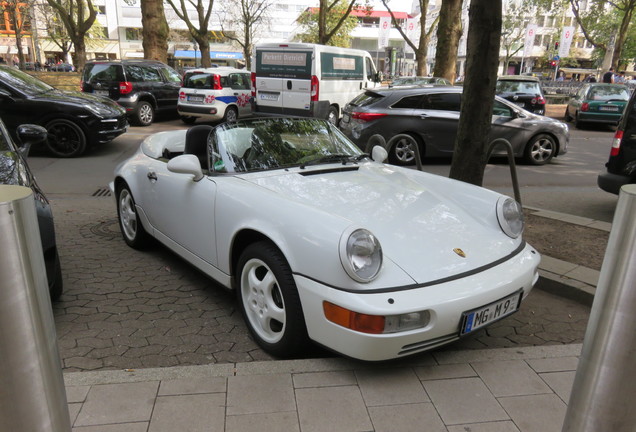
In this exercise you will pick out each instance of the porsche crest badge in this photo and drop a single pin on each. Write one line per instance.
(460, 252)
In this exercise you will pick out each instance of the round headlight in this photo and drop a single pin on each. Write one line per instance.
(361, 255)
(510, 216)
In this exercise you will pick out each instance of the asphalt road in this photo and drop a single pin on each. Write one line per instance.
(125, 309)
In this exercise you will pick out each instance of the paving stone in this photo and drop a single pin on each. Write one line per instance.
(118, 403)
(252, 394)
(410, 417)
(328, 409)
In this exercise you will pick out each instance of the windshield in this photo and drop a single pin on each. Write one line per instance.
(23, 82)
(518, 87)
(265, 144)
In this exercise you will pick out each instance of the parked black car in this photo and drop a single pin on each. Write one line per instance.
(524, 91)
(621, 166)
(15, 171)
(428, 117)
(73, 120)
(142, 87)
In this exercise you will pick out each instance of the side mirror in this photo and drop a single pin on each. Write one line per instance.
(186, 164)
(379, 77)
(29, 134)
(379, 154)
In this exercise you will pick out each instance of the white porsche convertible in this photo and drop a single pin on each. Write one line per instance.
(323, 243)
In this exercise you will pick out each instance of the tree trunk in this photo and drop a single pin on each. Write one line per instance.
(449, 32)
(622, 36)
(79, 58)
(154, 30)
(204, 47)
(471, 144)
(322, 22)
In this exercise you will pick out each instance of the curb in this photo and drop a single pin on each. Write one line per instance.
(565, 279)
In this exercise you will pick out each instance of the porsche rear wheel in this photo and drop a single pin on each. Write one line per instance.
(131, 227)
(269, 301)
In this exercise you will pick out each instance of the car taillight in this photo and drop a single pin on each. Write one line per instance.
(538, 100)
(216, 82)
(125, 87)
(253, 79)
(315, 88)
(365, 117)
(616, 144)
(82, 83)
(585, 106)
(182, 96)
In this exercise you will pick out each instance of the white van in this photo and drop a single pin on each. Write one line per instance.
(309, 80)
(219, 93)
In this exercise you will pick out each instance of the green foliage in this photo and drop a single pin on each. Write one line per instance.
(309, 21)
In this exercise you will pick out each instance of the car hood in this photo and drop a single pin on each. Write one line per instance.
(105, 106)
(419, 228)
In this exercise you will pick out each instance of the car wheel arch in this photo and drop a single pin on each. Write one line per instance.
(240, 242)
(395, 138)
(557, 144)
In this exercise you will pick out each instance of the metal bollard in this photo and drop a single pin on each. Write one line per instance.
(32, 393)
(605, 382)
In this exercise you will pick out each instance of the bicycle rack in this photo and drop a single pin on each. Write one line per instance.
(511, 162)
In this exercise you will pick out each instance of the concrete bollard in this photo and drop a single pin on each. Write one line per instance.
(605, 383)
(32, 393)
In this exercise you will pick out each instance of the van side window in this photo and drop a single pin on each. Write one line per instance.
(370, 69)
(134, 73)
(151, 74)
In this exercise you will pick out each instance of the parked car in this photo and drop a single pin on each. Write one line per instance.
(61, 67)
(418, 80)
(621, 166)
(428, 117)
(524, 91)
(142, 87)
(322, 243)
(597, 103)
(14, 170)
(215, 94)
(74, 120)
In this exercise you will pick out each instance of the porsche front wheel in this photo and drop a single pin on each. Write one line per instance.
(269, 301)
(131, 227)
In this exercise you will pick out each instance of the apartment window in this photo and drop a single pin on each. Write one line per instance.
(133, 34)
(101, 10)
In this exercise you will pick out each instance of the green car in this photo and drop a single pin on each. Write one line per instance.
(597, 103)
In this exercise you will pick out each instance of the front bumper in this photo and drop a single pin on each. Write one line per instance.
(446, 303)
(106, 130)
(591, 117)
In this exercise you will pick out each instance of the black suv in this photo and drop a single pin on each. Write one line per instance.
(523, 91)
(143, 87)
(621, 166)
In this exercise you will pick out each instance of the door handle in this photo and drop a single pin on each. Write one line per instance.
(152, 175)
(289, 85)
(423, 116)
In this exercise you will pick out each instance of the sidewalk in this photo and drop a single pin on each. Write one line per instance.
(522, 389)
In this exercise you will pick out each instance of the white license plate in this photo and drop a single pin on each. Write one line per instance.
(269, 96)
(101, 92)
(608, 108)
(195, 98)
(346, 118)
(492, 312)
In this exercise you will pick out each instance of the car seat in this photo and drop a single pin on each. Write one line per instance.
(196, 143)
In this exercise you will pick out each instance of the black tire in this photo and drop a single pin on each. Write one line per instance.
(332, 115)
(144, 114)
(231, 115)
(56, 285)
(65, 139)
(402, 149)
(272, 312)
(188, 120)
(578, 123)
(540, 150)
(131, 227)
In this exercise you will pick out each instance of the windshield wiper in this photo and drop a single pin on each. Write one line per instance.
(344, 158)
